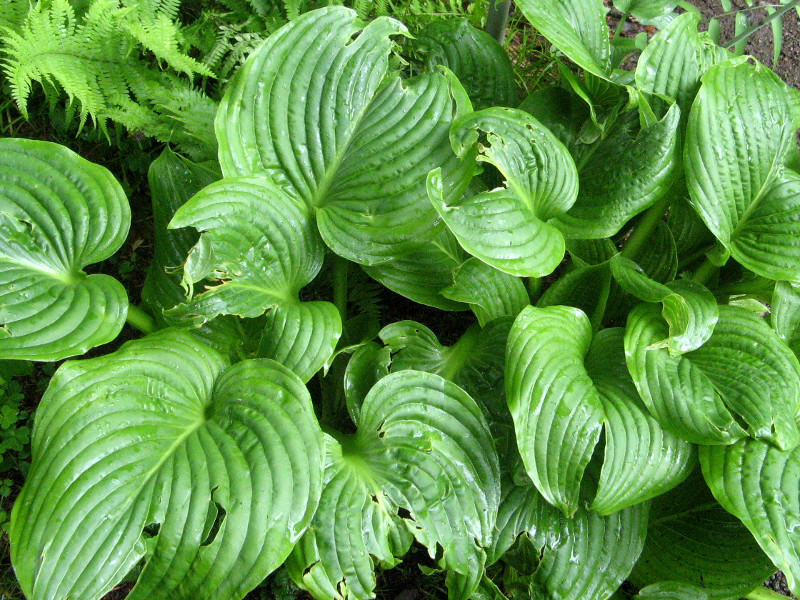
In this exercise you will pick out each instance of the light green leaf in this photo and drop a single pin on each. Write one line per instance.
(480, 63)
(689, 308)
(743, 367)
(351, 139)
(476, 362)
(302, 336)
(672, 590)
(786, 313)
(641, 459)
(675, 59)
(508, 227)
(557, 412)
(576, 27)
(490, 293)
(161, 439)
(59, 213)
(368, 364)
(423, 458)
(740, 130)
(423, 274)
(692, 540)
(646, 9)
(758, 483)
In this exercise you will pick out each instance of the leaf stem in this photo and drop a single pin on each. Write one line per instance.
(762, 593)
(140, 319)
(753, 28)
(704, 271)
(340, 266)
(497, 19)
(623, 19)
(644, 229)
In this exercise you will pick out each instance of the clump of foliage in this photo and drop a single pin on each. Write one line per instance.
(618, 406)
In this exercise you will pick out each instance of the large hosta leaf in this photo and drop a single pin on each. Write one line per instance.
(744, 367)
(691, 539)
(563, 388)
(740, 129)
(508, 227)
(317, 109)
(222, 465)
(758, 483)
(422, 460)
(586, 557)
(58, 214)
(261, 246)
(477, 59)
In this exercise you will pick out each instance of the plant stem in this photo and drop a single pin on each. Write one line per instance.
(762, 593)
(752, 29)
(621, 24)
(140, 319)
(704, 272)
(497, 19)
(644, 229)
(340, 285)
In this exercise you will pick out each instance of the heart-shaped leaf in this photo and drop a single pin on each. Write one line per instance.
(423, 459)
(480, 63)
(744, 367)
(263, 249)
(740, 129)
(351, 139)
(58, 214)
(138, 453)
(692, 540)
(508, 228)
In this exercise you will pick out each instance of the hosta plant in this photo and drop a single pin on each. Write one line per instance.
(614, 392)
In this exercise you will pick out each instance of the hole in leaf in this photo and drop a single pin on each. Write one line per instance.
(374, 498)
(151, 530)
(214, 519)
(404, 513)
(307, 570)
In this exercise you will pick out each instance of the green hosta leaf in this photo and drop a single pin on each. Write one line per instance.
(587, 253)
(646, 9)
(59, 213)
(264, 250)
(740, 129)
(576, 27)
(585, 557)
(743, 367)
(422, 450)
(659, 257)
(479, 62)
(692, 542)
(623, 174)
(688, 232)
(758, 483)
(675, 59)
(423, 274)
(786, 313)
(565, 114)
(368, 364)
(351, 139)
(162, 433)
(508, 227)
(672, 590)
(586, 288)
(563, 387)
(689, 308)
(490, 293)
(641, 459)
(476, 362)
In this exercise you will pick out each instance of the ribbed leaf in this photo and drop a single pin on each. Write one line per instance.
(758, 483)
(508, 227)
(785, 313)
(623, 174)
(740, 129)
(368, 364)
(675, 59)
(422, 446)
(688, 231)
(641, 459)
(689, 308)
(646, 9)
(476, 362)
(659, 257)
(691, 539)
(585, 557)
(160, 439)
(58, 214)
(557, 411)
(480, 63)
(423, 274)
(743, 367)
(490, 293)
(576, 27)
(351, 139)
(586, 288)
